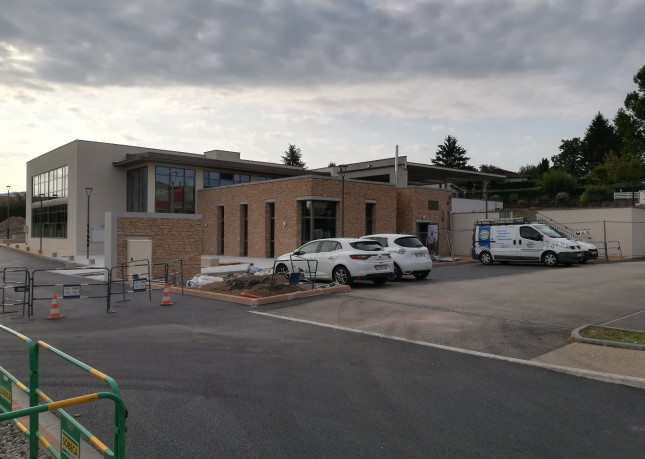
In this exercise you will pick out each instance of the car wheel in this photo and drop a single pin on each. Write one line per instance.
(282, 270)
(379, 281)
(421, 274)
(550, 259)
(342, 276)
(396, 274)
(486, 258)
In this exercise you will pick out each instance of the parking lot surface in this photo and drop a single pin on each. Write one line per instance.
(205, 378)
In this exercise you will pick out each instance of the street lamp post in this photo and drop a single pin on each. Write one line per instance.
(42, 223)
(342, 169)
(8, 186)
(486, 196)
(88, 191)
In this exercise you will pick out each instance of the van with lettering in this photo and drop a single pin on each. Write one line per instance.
(517, 240)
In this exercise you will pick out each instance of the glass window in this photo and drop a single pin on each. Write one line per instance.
(318, 220)
(369, 218)
(433, 205)
(138, 190)
(329, 246)
(174, 190)
(312, 247)
(214, 179)
(49, 220)
(409, 241)
(50, 183)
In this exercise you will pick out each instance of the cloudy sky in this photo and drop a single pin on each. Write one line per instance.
(344, 80)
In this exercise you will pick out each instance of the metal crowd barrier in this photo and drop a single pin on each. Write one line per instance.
(71, 290)
(15, 281)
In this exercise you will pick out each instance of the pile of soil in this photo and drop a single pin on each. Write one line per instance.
(253, 285)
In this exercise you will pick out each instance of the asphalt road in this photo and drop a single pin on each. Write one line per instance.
(210, 379)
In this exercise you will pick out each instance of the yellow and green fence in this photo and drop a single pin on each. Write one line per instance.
(71, 430)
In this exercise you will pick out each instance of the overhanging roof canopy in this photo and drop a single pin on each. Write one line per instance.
(424, 174)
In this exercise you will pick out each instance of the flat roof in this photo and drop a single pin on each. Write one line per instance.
(136, 159)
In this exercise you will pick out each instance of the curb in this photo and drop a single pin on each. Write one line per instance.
(253, 302)
(575, 334)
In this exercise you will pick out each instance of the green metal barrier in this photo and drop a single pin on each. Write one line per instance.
(69, 442)
(33, 384)
(119, 415)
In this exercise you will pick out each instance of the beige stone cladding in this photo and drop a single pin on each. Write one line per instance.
(172, 239)
(414, 205)
(286, 195)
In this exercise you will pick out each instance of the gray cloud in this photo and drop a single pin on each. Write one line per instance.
(283, 43)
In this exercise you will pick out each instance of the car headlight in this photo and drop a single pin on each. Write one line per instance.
(562, 244)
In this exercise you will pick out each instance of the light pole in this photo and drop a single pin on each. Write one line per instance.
(88, 191)
(342, 169)
(42, 223)
(8, 186)
(486, 196)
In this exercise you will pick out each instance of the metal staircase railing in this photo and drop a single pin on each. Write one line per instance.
(537, 217)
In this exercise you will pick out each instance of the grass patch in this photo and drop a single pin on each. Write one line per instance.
(613, 334)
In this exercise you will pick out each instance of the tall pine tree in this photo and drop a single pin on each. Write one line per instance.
(293, 157)
(451, 154)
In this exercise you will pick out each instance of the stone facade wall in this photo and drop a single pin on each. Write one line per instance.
(172, 238)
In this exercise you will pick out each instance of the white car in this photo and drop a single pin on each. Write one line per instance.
(341, 260)
(409, 254)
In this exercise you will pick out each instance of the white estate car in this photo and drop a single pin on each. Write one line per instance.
(409, 254)
(341, 260)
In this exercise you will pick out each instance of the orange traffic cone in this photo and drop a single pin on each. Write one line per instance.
(165, 300)
(54, 313)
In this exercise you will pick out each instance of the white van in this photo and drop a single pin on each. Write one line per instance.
(517, 240)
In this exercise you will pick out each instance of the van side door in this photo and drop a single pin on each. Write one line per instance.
(530, 244)
(503, 243)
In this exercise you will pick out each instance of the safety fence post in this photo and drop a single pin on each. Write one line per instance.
(31, 391)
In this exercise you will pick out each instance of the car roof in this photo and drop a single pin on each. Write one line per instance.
(389, 235)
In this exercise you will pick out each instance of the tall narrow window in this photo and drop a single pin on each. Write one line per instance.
(220, 224)
(244, 211)
(271, 217)
(369, 218)
(137, 199)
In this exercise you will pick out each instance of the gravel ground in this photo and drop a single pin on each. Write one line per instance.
(14, 444)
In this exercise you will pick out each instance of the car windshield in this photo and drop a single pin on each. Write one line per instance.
(366, 245)
(548, 231)
(408, 241)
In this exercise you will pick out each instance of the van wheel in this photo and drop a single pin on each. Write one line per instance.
(550, 259)
(486, 258)
(396, 274)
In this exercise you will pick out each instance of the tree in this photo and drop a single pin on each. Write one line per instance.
(630, 120)
(293, 157)
(624, 169)
(555, 180)
(451, 154)
(535, 171)
(490, 169)
(600, 140)
(331, 164)
(570, 157)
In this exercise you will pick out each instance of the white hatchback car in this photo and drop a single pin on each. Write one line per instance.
(408, 252)
(341, 260)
